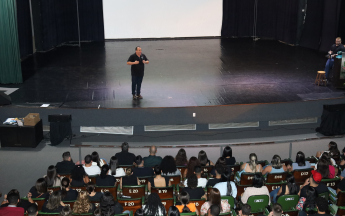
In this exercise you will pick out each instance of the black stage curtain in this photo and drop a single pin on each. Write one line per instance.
(24, 28)
(341, 32)
(276, 19)
(91, 20)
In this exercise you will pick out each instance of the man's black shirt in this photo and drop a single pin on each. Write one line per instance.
(137, 70)
(336, 49)
(64, 167)
(125, 158)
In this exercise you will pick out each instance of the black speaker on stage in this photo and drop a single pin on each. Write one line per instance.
(4, 99)
(332, 120)
(60, 128)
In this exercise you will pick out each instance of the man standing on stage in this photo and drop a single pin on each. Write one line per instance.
(332, 53)
(137, 62)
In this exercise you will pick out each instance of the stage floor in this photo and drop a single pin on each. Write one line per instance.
(181, 73)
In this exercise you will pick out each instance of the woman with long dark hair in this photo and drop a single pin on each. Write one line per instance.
(40, 189)
(168, 167)
(308, 201)
(158, 180)
(192, 188)
(153, 206)
(227, 154)
(300, 163)
(221, 161)
(54, 203)
(93, 195)
(193, 161)
(83, 205)
(52, 179)
(289, 189)
(184, 206)
(275, 167)
(67, 194)
(109, 206)
(181, 158)
(129, 179)
(258, 188)
(325, 167)
(204, 161)
(333, 151)
(173, 211)
(226, 186)
(79, 178)
(104, 179)
(96, 161)
(214, 198)
(114, 168)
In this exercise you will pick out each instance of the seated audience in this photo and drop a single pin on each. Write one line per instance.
(104, 179)
(192, 189)
(307, 201)
(96, 161)
(275, 167)
(40, 189)
(219, 169)
(66, 211)
(109, 206)
(93, 195)
(258, 188)
(251, 166)
(82, 205)
(54, 203)
(214, 198)
(152, 160)
(129, 179)
(226, 186)
(12, 209)
(333, 152)
(246, 210)
(277, 210)
(290, 188)
(114, 168)
(89, 169)
(325, 168)
(124, 157)
(153, 206)
(52, 179)
(140, 170)
(173, 211)
(204, 161)
(181, 158)
(168, 167)
(214, 210)
(227, 154)
(193, 161)
(66, 165)
(184, 206)
(221, 161)
(67, 194)
(322, 206)
(158, 180)
(314, 181)
(300, 163)
(21, 204)
(32, 210)
(201, 181)
(139, 212)
(79, 178)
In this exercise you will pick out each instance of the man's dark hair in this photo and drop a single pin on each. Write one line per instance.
(246, 209)
(214, 210)
(321, 204)
(277, 209)
(66, 155)
(219, 169)
(197, 169)
(32, 209)
(13, 198)
(192, 181)
(136, 48)
(66, 211)
(125, 147)
(258, 180)
(88, 159)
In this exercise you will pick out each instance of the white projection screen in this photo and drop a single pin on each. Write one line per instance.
(162, 18)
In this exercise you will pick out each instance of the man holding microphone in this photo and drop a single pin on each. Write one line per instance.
(332, 53)
(137, 62)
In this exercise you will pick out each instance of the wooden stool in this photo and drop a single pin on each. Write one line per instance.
(321, 77)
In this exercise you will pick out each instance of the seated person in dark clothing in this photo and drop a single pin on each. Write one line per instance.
(129, 179)
(66, 211)
(21, 203)
(315, 182)
(67, 194)
(322, 206)
(227, 154)
(66, 165)
(192, 189)
(124, 157)
(158, 180)
(109, 206)
(219, 169)
(140, 170)
(54, 203)
(32, 210)
(40, 189)
(12, 209)
(222, 162)
(79, 178)
(104, 179)
(152, 160)
(82, 205)
(93, 195)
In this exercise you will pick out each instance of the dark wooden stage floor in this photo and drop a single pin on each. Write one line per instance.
(181, 73)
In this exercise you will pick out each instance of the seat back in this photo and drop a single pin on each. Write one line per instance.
(118, 179)
(38, 201)
(48, 214)
(258, 203)
(164, 192)
(131, 204)
(288, 202)
(341, 198)
(168, 202)
(332, 183)
(175, 180)
(247, 178)
(69, 203)
(198, 203)
(301, 175)
(276, 177)
(136, 191)
(53, 189)
(231, 201)
(187, 214)
(78, 188)
(234, 168)
(93, 178)
(110, 189)
(324, 195)
(144, 180)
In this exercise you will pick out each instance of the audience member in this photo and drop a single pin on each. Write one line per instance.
(201, 181)
(173, 211)
(214, 198)
(289, 189)
(79, 177)
(341, 185)
(300, 163)
(192, 189)
(109, 206)
(251, 166)
(322, 206)
(193, 161)
(12, 209)
(181, 158)
(97, 212)
(204, 161)
(333, 152)
(114, 168)
(315, 182)
(89, 169)
(40, 189)
(158, 180)
(227, 154)
(152, 160)
(21, 204)
(32, 210)
(139, 212)
(129, 179)
(66, 165)
(52, 179)
(214, 210)
(275, 167)
(104, 179)
(66, 211)
(54, 203)
(221, 161)
(124, 157)
(219, 169)
(140, 170)
(277, 210)
(325, 168)
(96, 160)
(184, 206)
(82, 205)
(67, 194)
(93, 195)
(307, 201)
(226, 186)
(153, 206)
(258, 188)
(168, 167)
(245, 210)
